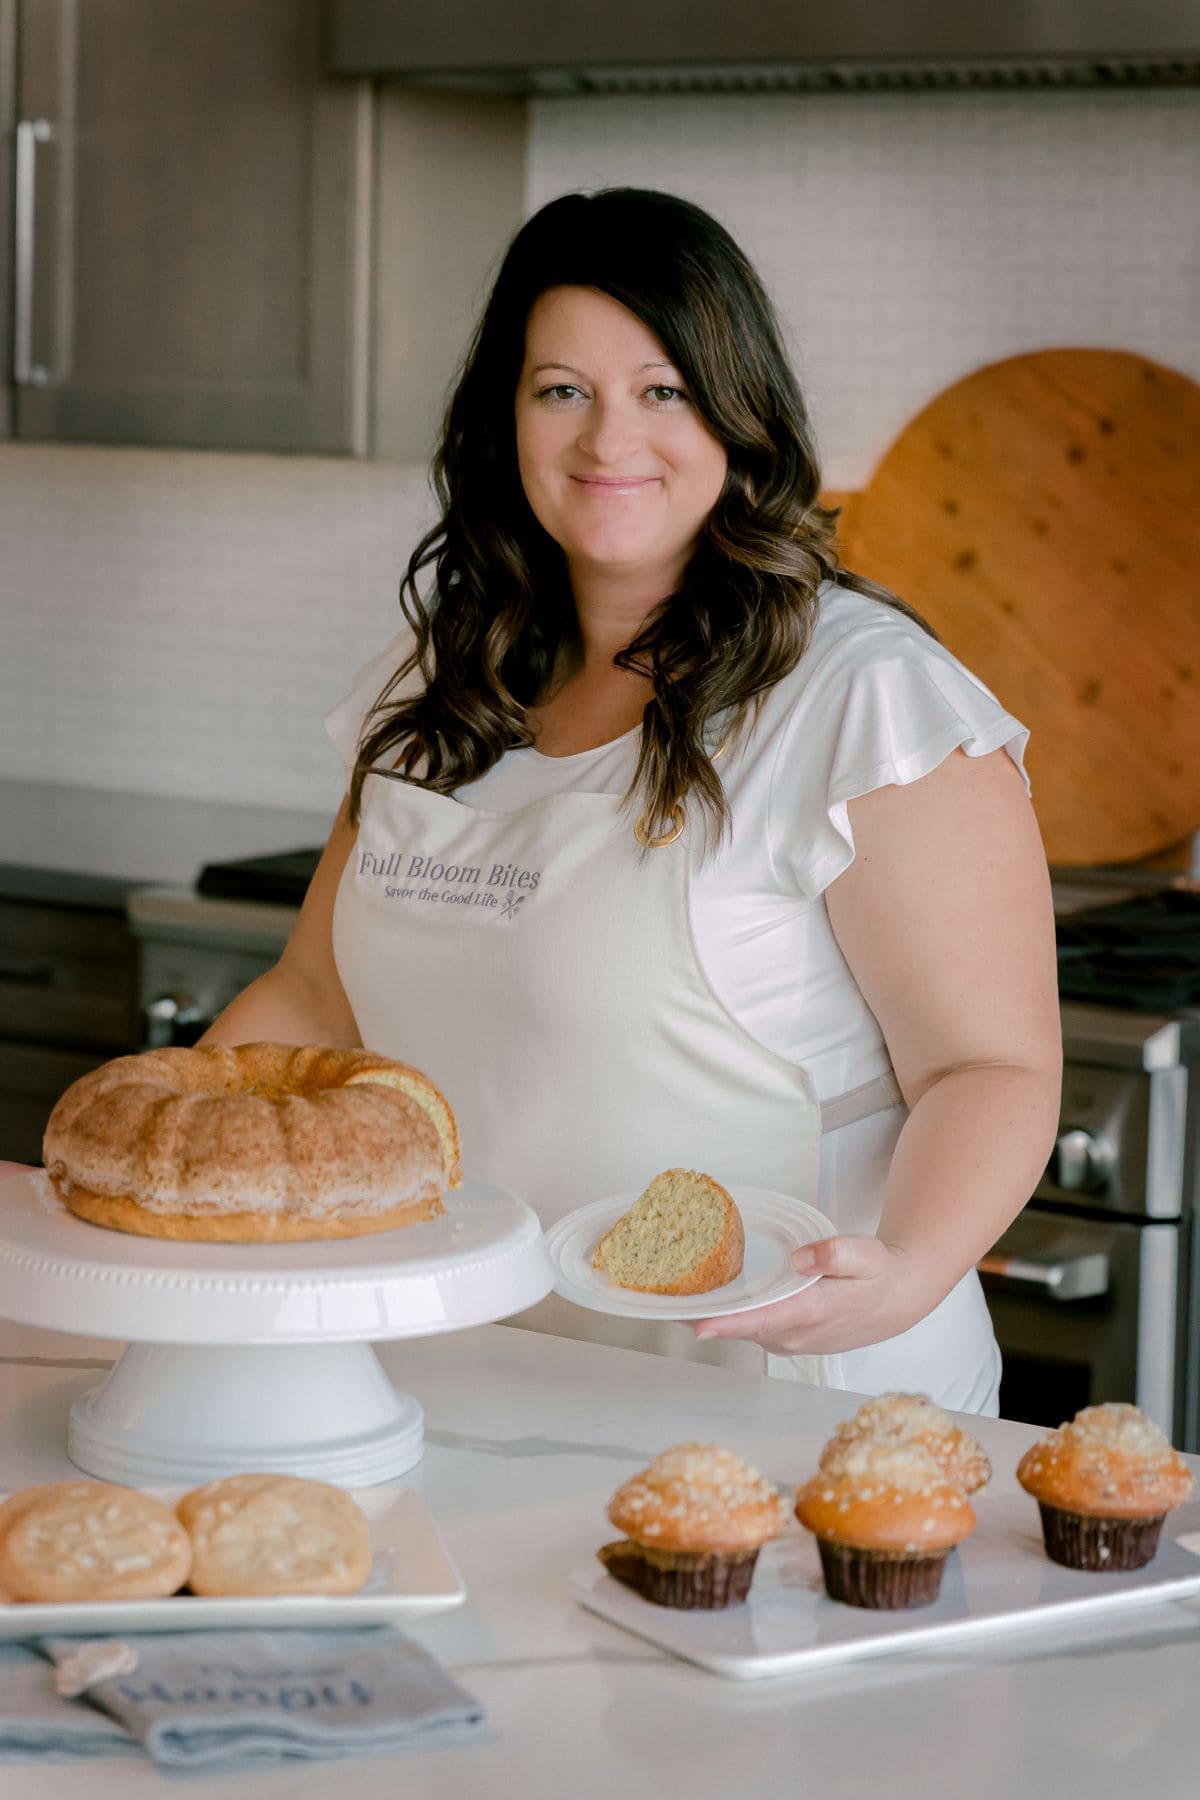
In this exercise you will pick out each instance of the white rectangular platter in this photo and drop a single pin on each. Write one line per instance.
(1000, 1579)
(411, 1574)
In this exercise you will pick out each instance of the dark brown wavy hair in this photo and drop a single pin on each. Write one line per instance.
(497, 624)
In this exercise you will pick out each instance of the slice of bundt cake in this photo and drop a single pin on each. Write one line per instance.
(684, 1235)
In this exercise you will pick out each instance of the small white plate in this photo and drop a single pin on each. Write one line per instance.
(775, 1226)
(412, 1574)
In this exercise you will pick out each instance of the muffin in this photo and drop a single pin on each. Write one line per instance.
(885, 1519)
(695, 1521)
(914, 1419)
(1104, 1484)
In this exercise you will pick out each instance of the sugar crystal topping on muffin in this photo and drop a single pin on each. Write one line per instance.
(915, 1419)
(903, 1415)
(698, 1492)
(702, 1477)
(704, 1465)
(883, 1463)
(1118, 1426)
(1108, 1460)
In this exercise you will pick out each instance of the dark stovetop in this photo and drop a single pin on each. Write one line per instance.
(1143, 951)
(280, 880)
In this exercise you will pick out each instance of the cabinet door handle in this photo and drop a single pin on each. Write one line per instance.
(27, 971)
(1073, 1278)
(30, 133)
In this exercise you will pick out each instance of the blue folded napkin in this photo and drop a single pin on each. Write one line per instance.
(210, 1699)
(38, 1725)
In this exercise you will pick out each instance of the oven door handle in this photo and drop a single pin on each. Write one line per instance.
(1069, 1278)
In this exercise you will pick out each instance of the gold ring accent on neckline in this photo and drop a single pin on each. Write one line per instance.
(678, 816)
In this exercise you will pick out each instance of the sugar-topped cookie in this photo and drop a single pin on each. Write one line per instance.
(275, 1534)
(90, 1540)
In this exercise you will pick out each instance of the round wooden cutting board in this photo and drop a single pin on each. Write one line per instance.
(1044, 516)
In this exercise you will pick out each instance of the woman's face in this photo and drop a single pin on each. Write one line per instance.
(615, 461)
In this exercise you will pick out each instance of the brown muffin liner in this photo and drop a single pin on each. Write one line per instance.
(1082, 1541)
(693, 1580)
(886, 1580)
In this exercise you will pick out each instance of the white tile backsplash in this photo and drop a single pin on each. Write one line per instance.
(908, 239)
(178, 623)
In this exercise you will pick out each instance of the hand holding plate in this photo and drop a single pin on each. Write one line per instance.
(867, 1294)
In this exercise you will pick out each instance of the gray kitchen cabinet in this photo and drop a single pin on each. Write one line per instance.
(8, 118)
(449, 195)
(68, 989)
(197, 266)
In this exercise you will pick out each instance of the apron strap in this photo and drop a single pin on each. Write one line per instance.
(861, 1102)
(844, 1109)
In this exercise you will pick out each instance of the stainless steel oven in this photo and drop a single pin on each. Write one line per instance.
(199, 947)
(195, 954)
(1093, 1289)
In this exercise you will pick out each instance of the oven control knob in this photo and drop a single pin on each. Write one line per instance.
(1080, 1162)
(172, 1019)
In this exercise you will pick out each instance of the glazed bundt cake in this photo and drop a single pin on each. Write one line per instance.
(254, 1143)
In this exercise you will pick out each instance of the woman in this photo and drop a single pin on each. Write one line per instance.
(664, 844)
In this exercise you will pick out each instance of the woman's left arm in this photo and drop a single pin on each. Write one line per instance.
(945, 919)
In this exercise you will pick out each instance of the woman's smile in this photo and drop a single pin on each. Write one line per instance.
(606, 486)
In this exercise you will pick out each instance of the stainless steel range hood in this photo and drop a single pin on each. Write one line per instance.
(699, 46)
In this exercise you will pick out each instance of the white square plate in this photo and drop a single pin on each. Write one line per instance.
(1000, 1579)
(411, 1574)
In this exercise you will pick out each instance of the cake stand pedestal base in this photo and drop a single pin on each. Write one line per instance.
(169, 1413)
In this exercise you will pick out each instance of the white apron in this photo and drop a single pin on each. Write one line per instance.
(540, 967)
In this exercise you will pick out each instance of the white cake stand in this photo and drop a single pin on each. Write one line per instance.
(258, 1357)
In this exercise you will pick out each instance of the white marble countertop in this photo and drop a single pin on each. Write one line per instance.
(526, 1438)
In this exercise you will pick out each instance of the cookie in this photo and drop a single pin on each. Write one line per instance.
(90, 1540)
(275, 1534)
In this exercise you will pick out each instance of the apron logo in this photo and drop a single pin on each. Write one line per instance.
(425, 879)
